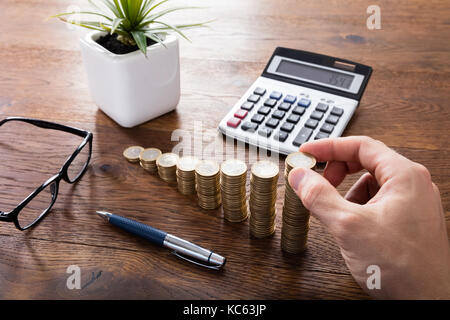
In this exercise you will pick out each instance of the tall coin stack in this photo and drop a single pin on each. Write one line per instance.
(207, 180)
(186, 174)
(233, 176)
(295, 226)
(263, 195)
(167, 167)
(147, 159)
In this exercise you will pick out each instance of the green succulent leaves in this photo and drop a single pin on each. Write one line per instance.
(132, 20)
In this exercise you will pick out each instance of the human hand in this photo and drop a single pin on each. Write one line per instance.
(391, 217)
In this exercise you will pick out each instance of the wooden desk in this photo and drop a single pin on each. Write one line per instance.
(405, 105)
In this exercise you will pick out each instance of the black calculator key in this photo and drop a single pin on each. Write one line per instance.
(326, 127)
(322, 107)
(273, 123)
(293, 118)
(281, 136)
(258, 118)
(284, 106)
(270, 103)
(264, 110)
(332, 119)
(276, 95)
(287, 126)
(321, 135)
(265, 132)
(316, 115)
(290, 99)
(302, 137)
(247, 106)
(259, 91)
(298, 110)
(249, 126)
(253, 98)
(337, 111)
(278, 114)
(311, 123)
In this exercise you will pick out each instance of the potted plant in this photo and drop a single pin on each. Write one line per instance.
(131, 59)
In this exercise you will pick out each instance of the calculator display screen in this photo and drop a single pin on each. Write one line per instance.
(333, 78)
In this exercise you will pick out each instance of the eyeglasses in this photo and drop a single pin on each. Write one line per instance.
(37, 205)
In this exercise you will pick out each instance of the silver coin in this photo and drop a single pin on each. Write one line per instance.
(265, 169)
(233, 167)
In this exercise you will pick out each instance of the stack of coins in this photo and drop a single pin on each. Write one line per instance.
(233, 176)
(186, 175)
(295, 226)
(132, 153)
(167, 167)
(207, 180)
(263, 195)
(148, 159)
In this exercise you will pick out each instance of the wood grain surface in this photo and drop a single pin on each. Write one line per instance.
(42, 76)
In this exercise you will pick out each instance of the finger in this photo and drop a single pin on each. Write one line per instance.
(381, 161)
(335, 171)
(319, 196)
(363, 190)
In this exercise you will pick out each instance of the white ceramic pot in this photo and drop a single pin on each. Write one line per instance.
(130, 88)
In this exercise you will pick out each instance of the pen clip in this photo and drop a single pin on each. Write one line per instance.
(179, 255)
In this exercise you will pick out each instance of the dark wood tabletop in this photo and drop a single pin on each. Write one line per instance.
(42, 76)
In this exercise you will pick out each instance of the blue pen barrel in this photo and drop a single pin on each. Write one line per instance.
(154, 235)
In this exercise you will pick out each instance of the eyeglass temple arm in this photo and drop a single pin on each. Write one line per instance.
(47, 125)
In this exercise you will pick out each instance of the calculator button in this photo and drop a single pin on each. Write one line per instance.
(281, 136)
(265, 132)
(264, 110)
(258, 118)
(287, 127)
(259, 91)
(326, 127)
(332, 119)
(311, 123)
(298, 110)
(247, 106)
(322, 107)
(270, 103)
(337, 111)
(249, 126)
(302, 137)
(233, 122)
(303, 102)
(278, 114)
(276, 95)
(253, 98)
(241, 114)
(321, 135)
(284, 106)
(273, 123)
(293, 118)
(290, 99)
(317, 115)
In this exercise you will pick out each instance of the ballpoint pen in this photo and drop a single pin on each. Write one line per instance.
(181, 248)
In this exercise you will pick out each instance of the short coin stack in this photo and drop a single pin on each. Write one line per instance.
(148, 159)
(132, 153)
(295, 227)
(233, 176)
(186, 174)
(207, 179)
(167, 167)
(263, 195)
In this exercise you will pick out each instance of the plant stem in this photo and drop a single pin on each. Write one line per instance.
(126, 40)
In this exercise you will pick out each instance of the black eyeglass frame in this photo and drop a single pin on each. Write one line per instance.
(53, 182)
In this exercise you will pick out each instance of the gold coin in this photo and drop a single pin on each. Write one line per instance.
(233, 167)
(300, 160)
(207, 168)
(187, 163)
(149, 155)
(265, 169)
(167, 160)
(132, 153)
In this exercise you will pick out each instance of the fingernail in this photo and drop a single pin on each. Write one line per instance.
(295, 178)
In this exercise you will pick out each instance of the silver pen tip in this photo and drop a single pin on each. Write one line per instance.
(105, 215)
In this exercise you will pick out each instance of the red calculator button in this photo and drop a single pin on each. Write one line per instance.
(241, 114)
(233, 122)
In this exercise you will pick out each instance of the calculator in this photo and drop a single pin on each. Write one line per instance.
(300, 96)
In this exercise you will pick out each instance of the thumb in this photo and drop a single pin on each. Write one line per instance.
(319, 196)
